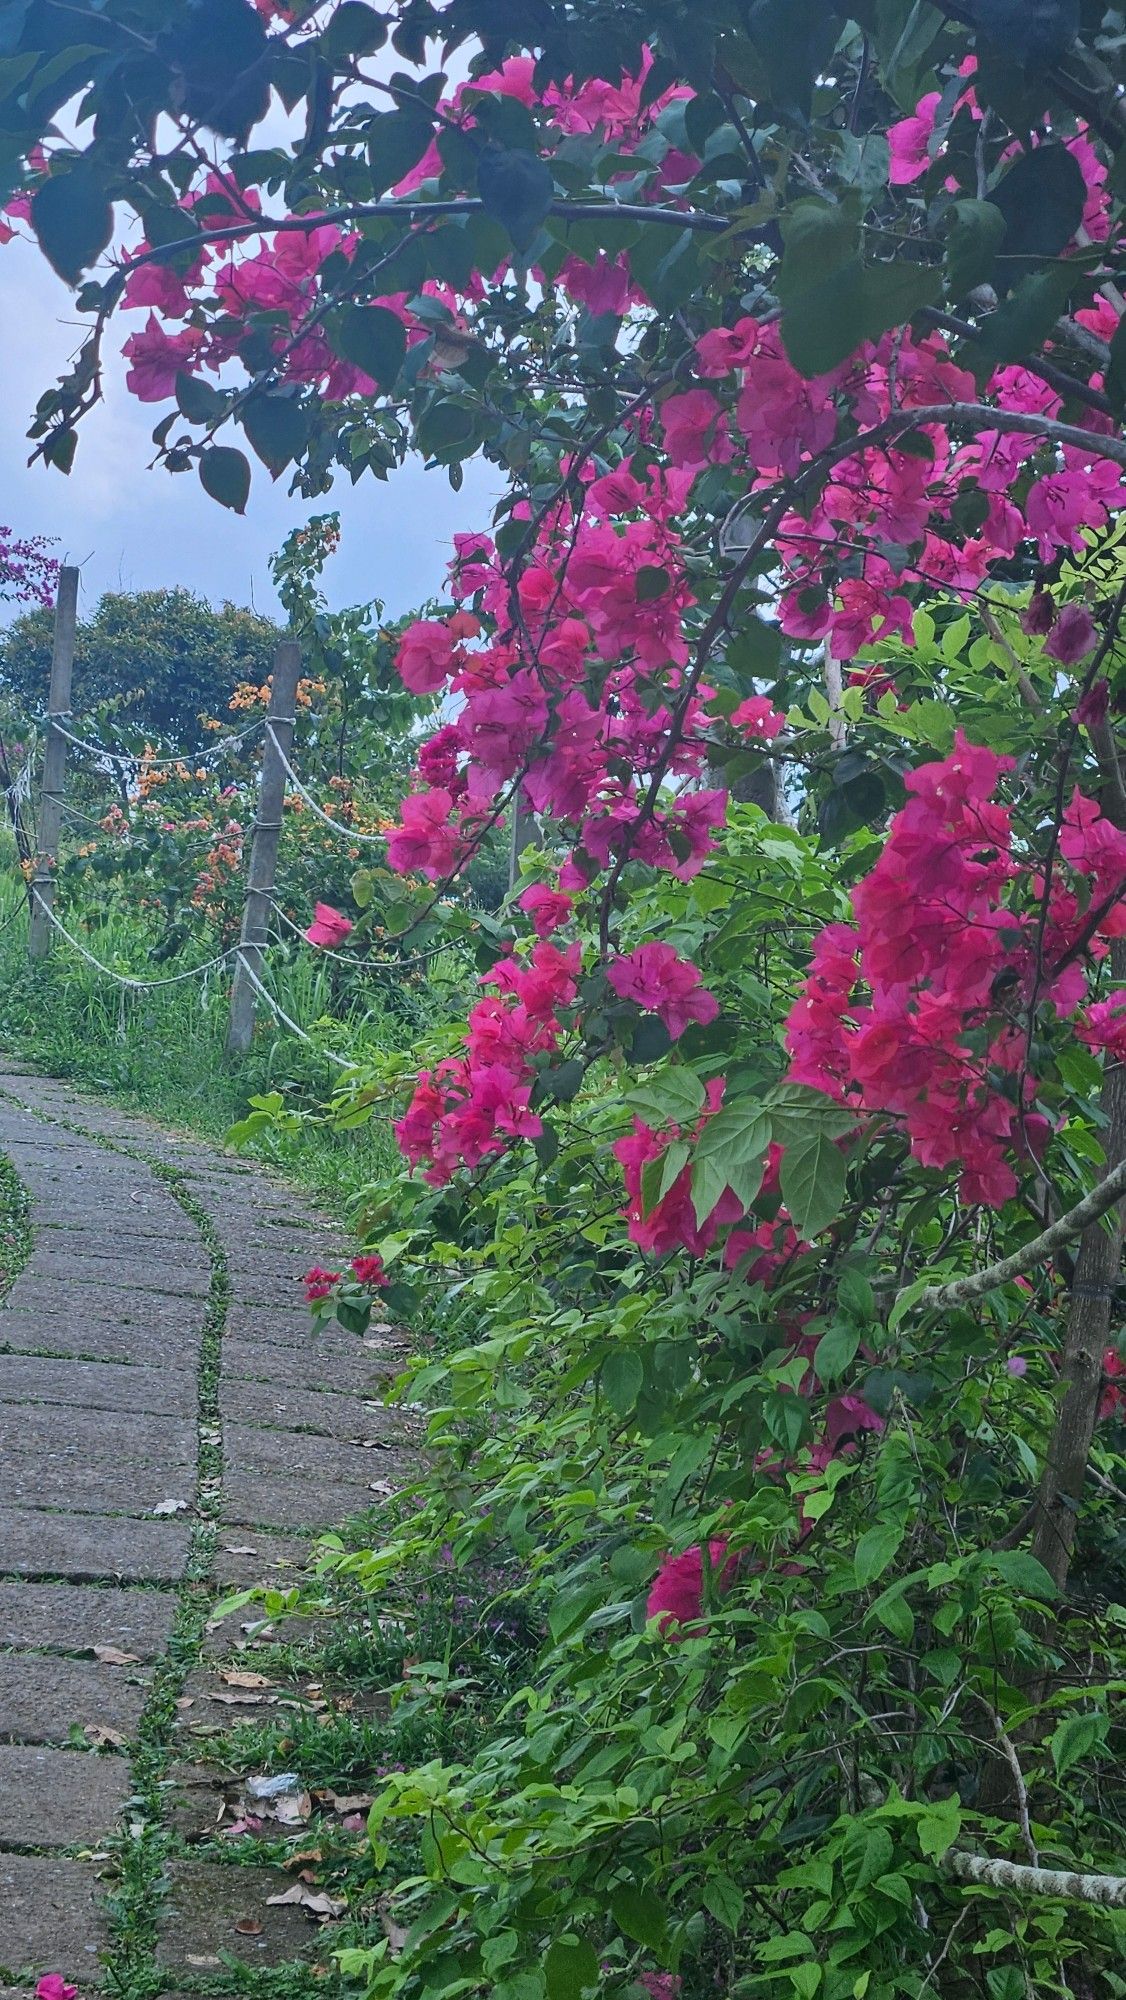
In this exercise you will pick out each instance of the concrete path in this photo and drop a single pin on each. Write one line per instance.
(170, 1427)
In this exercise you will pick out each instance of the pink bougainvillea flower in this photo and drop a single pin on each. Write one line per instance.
(369, 1270)
(328, 927)
(757, 719)
(660, 1985)
(677, 1595)
(318, 1283)
(1114, 1395)
(1072, 636)
(658, 981)
(909, 141)
(548, 908)
(54, 1987)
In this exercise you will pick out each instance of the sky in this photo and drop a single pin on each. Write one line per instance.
(130, 528)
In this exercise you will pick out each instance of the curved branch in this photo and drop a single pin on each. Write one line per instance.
(1093, 1206)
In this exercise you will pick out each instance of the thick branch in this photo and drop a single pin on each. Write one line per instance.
(1074, 1223)
(1068, 1883)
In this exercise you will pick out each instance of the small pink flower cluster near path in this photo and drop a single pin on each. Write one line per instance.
(328, 927)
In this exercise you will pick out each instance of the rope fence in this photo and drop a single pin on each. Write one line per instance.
(261, 909)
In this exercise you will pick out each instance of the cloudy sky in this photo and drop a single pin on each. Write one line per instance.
(131, 529)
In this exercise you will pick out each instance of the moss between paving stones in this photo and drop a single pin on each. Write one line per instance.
(16, 1235)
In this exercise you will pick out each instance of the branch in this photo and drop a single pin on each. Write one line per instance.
(1077, 1219)
(1107, 1890)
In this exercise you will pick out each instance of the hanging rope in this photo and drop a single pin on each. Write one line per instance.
(280, 1014)
(127, 978)
(345, 833)
(131, 759)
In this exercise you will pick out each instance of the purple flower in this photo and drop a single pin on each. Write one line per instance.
(1038, 615)
(1072, 636)
(1092, 710)
(1016, 1365)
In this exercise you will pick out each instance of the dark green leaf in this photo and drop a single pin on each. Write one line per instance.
(218, 48)
(517, 190)
(354, 30)
(622, 1377)
(396, 142)
(859, 302)
(640, 1915)
(277, 428)
(1031, 31)
(373, 339)
(875, 1550)
(571, 1965)
(1041, 197)
(972, 242)
(72, 219)
(675, 1096)
(652, 581)
(197, 400)
(225, 474)
(1075, 1738)
(813, 1182)
(1025, 317)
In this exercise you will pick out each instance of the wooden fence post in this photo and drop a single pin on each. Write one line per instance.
(281, 714)
(54, 765)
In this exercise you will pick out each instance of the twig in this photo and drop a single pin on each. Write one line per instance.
(1077, 1219)
(1009, 1748)
(1109, 1891)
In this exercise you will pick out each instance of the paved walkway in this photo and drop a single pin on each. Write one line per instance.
(169, 1427)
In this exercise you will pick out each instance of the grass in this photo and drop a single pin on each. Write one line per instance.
(163, 1053)
(15, 1226)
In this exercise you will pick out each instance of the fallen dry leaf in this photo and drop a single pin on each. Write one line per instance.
(238, 1549)
(185, 1701)
(249, 1927)
(112, 1656)
(241, 1680)
(318, 1902)
(193, 1958)
(395, 1934)
(102, 1738)
(382, 1486)
(243, 1700)
(347, 1802)
(307, 1854)
(171, 1507)
(291, 1810)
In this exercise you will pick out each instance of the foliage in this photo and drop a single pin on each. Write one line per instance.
(159, 662)
(796, 332)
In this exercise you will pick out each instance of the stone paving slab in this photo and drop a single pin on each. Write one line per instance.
(122, 1486)
(21, 1332)
(323, 1413)
(51, 1919)
(119, 1264)
(42, 1698)
(97, 1385)
(54, 1295)
(315, 1366)
(246, 1556)
(305, 1455)
(73, 1619)
(81, 1546)
(101, 1434)
(208, 1902)
(291, 1503)
(60, 1798)
(282, 1328)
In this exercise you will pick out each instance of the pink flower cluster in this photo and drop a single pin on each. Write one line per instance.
(471, 1107)
(904, 1011)
(566, 697)
(839, 580)
(328, 928)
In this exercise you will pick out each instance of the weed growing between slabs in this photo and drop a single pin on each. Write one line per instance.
(15, 1226)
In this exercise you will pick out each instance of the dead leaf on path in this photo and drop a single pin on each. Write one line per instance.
(306, 1854)
(102, 1738)
(193, 1958)
(171, 1507)
(112, 1656)
(185, 1701)
(383, 1486)
(292, 1810)
(348, 1802)
(318, 1902)
(243, 1700)
(240, 1680)
(396, 1934)
(238, 1549)
(249, 1927)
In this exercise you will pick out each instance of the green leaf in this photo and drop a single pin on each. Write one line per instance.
(652, 581)
(640, 1915)
(895, 1614)
(354, 30)
(573, 1609)
(225, 474)
(905, 32)
(813, 1182)
(875, 1550)
(858, 302)
(675, 1096)
(939, 1827)
(972, 242)
(856, 1296)
(197, 401)
(1025, 1573)
(396, 142)
(732, 1148)
(794, 39)
(819, 237)
(277, 428)
(723, 1899)
(835, 1349)
(373, 339)
(1075, 1737)
(516, 189)
(1025, 317)
(570, 1966)
(1115, 381)
(622, 1376)
(73, 220)
(1041, 197)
